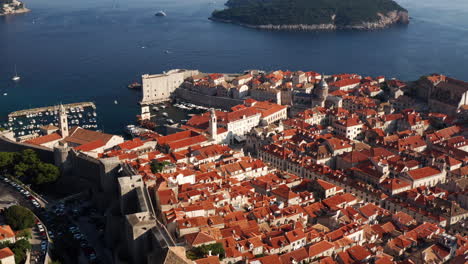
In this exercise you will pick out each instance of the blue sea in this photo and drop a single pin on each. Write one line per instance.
(90, 50)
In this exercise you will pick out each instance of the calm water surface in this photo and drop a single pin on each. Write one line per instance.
(83, 50)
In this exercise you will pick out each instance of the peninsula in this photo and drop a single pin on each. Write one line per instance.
(8, 7)
(312, 14)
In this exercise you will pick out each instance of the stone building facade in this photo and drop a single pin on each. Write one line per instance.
(159, 87)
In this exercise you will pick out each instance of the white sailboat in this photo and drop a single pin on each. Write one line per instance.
(16, 77)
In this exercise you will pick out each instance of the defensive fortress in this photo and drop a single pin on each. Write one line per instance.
(159, 87)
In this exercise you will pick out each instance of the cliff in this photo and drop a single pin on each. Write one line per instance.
(313, 14)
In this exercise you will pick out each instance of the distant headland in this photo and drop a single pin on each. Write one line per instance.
(312, 14)
(8, 7)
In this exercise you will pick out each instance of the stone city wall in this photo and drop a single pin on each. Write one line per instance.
(7, 145)
(205, 100)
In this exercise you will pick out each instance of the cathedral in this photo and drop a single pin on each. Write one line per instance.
(320, 94)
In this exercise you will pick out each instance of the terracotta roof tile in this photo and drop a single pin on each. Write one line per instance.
(6, 252)
(45, 139)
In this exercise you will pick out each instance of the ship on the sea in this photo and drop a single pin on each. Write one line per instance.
(135, 85)
(161, 14)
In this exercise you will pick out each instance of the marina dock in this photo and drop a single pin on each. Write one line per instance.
(50, 108)
(28, 122)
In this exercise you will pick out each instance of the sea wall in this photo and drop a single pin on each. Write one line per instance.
(206, 100)
(386, 20)
(7, 145)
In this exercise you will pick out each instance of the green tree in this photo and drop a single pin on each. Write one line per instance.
(23, 244)
(26, 233)
(45, 173)
(27, 166)
(157, 166)
(21, 169)
(6, 160)
(28, 156)
(19, 217)
(19, 249)
(204, 250)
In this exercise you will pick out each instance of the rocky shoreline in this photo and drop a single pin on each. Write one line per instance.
(385, 21)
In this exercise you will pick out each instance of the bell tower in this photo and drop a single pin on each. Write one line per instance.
(213, 128)
(63, 122)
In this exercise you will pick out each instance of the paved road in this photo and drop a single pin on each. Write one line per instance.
(95, 239)
(9, 196)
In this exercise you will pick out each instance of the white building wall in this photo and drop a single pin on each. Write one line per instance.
(8, 260)
(159, 87)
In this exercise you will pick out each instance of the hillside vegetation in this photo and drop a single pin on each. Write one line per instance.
(308, 12)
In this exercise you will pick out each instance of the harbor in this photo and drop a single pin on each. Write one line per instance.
(29, 121)
(166, 117)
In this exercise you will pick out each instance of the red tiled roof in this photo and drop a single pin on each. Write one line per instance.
(319, 248)
(345, 82)
(208, 260)
(176, 136)
(325, 185)
(45, 139)
(394, 184)
(131, 144)
(295, 256)
(91, 146)
(358, 253)
(422, 173)
(6, 232)
(271, 259)
(82, 136)
(199, 238)
(336, 143)
(6, 252)
(268, 108)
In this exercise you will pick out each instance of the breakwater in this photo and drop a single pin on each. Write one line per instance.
(49, 108)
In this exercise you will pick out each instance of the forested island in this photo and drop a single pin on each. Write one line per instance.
(8, 7)
(313, 14)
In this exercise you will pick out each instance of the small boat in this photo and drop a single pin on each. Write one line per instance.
(165, 114)
(5, 94)
(134, 85)
(170, 121)
(16, 77)
(156, 108)
(160, 14)
(163, 106)
(115, 102)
